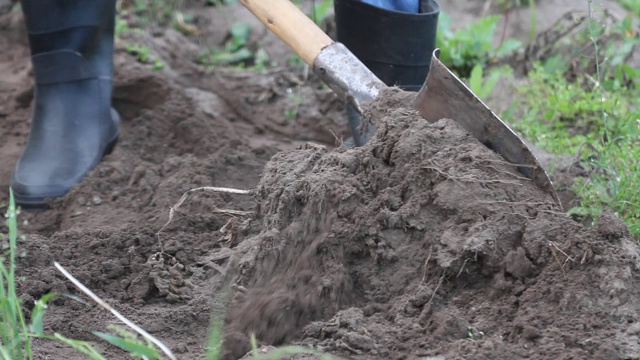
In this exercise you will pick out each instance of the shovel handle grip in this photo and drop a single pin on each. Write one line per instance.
(291, 25)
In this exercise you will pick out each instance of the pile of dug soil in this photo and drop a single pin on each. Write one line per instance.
(423, 243)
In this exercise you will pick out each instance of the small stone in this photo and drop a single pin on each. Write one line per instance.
(96, 200)
(81, 201)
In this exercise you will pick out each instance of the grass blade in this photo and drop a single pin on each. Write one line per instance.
(37, 314)
(81, 346)
(132, 347)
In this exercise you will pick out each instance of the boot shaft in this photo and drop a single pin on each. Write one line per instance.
(396, 46)
(70, 40)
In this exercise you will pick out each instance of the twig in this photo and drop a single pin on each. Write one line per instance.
(508, 173)
(435, 290)
(204, 188)
(564, 275)
(232, 212)
(505, 26)
(113, 311)
(598, 72)
(584, 257)
(512, 203)
(342, 344)
(506, 163)
(462, 268)
(559, 213)
(563, 253)
(555, 248)
(426, 266)
(336, 137)
(470, 178)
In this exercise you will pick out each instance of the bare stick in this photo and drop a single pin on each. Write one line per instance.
(336, 137)
(563, 253)
(113, 311)
(426, 266)
(232, 212)
(584, 257)
(436, 289)
(462, 268)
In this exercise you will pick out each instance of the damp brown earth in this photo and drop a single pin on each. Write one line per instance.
(422, 243)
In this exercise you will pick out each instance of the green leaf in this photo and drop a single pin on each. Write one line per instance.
(235, 57)
(5, 353)
(38, 312)
(240, 33)
(475, 79)
(491, 81)
(509, 46)
(134, 348)
(215, 339)
(482, 31)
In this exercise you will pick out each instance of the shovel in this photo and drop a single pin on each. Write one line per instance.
(443, 95)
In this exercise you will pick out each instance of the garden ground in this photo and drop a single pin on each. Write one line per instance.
(434, 245)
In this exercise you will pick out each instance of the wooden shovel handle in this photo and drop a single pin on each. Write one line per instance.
(291, 25)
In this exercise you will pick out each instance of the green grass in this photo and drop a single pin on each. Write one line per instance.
(14, 333)
(143, 55)
(237, 52)
(561, 116)
(601, 130)
(590, 114)
(464, 49)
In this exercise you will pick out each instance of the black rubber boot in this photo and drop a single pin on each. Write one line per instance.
(396, 46)
(73, 125)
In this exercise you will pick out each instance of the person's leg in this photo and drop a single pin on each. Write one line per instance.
(395, 39)
(73, 125)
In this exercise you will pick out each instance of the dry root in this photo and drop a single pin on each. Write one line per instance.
(233, 213)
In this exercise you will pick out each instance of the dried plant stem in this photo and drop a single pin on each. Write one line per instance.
(113, 311)
(202, 189)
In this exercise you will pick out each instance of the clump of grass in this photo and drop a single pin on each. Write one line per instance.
(15, 333)
(143, 55)
(237, 51)
(593, 115)
(472, 46)
(561, 115)
(16, 342)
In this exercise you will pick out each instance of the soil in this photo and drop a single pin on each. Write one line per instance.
(421, 243)
(425, 243)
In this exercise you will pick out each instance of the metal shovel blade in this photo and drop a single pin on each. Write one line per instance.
(443, 95)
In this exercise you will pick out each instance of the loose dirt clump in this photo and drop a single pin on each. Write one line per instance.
(422, 243)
